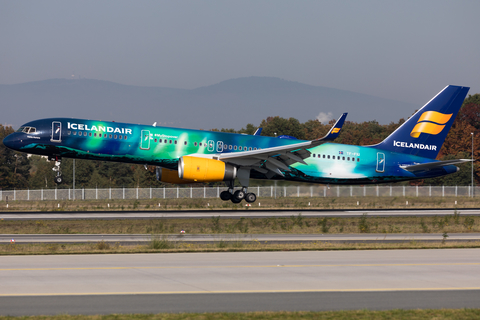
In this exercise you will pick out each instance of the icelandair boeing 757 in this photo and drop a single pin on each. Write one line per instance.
(190, 156)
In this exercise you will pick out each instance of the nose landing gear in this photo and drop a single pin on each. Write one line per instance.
(58, 161)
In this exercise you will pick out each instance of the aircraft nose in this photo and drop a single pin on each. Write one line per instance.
(9, 141)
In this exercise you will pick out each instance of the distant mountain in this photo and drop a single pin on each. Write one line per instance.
(229, 104)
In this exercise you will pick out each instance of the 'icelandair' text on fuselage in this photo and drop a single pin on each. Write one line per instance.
(402, 144)
(86, 127)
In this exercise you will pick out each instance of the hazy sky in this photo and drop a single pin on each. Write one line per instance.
(402, 50)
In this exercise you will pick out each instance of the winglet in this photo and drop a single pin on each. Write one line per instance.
(335, 130)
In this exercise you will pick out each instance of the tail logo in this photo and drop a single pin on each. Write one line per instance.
(336, 130)
(430, 122)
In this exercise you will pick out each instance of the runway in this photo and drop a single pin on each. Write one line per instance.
(232, 214)
(200, 282)
(211, 238)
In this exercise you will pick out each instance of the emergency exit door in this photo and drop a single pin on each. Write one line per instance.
(145, 143)
(56, 131)
(380, 162)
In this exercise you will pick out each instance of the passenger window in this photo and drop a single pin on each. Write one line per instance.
(175, 141)
(85, 134)
(314, 155)
(323, 156)
(120, 137)
(115, 137)
(185, 143)
(110, 136)
(234, 147)
(348, 158)
(155, 140)
(74, 133)
(333, 157)
(89, 134)
(195, 144)
(343, 158)
(240, 148)
(124, 137)
(358, 159)
(328, 156)
(170, 141)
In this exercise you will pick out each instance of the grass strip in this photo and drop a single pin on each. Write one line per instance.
(441, 314)
(295, 224)
(159, 244)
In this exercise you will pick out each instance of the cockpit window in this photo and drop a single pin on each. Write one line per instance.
(27, 129)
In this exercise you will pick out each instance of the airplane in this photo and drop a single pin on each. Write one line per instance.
(196, 156)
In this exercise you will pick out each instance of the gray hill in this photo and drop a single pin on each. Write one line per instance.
(229, 104)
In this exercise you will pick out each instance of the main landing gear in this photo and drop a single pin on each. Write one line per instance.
(237, 196)
(58, 161)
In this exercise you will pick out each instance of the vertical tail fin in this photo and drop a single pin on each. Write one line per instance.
(424, 133)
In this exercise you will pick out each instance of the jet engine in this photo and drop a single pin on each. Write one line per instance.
(170, 176)
(205, 170)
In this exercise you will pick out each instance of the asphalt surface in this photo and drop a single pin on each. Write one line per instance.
(201, 282)
(232, 214)
(212, 238)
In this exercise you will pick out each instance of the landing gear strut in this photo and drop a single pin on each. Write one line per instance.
(57, 169)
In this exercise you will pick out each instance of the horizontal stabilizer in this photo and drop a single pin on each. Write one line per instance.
(433, 165)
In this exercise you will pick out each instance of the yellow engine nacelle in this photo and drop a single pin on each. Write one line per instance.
(205, 170)
(170, 176)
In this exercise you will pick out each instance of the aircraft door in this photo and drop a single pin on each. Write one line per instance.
(219, 146)
(380, 162)
(211, 146)
(56, 131)
(145, 143)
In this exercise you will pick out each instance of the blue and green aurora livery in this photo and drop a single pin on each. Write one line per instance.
(189, 156)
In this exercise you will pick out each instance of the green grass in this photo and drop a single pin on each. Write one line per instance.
(442, 314)
(297, 224)
(161, 245)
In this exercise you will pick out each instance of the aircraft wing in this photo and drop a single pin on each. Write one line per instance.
(279, 158)
(432, 165)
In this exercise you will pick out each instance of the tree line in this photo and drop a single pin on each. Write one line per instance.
(17, 170)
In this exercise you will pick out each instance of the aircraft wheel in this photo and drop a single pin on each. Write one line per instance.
(235, 200)
(58, 179)
(225, 195)
(239, 195)
(250, 197)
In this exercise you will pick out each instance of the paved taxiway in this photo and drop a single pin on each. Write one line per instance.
(324, 280)
(211, 238)
(236, 214)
